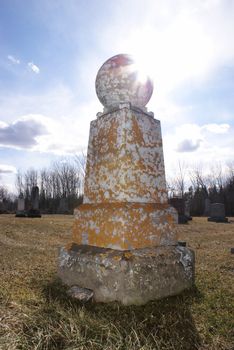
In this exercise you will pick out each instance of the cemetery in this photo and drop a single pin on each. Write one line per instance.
(116, 175)
(122, 273)
(36, 311)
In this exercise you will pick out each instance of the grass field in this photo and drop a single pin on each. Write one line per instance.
(35, 312)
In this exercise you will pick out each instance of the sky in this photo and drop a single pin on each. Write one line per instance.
(51, 50)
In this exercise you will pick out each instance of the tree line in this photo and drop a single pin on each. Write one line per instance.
(61, 187)
(195, 186)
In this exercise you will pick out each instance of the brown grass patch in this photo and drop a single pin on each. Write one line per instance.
(35, 312)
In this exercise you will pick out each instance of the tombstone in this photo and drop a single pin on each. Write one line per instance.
(124, 240)
(63, 206)
(179, 204)
(21, 212)
(207, 207)
(34, 211)
(2, 208)
(187, 207)
(217, 213)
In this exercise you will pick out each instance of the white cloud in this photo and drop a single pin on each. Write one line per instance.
(33, 67)
(217, 128)
(39, 133)
(7, 169)
(65, 118)
(195, 144)
(22, 133)
(188, 145)
(13, 59)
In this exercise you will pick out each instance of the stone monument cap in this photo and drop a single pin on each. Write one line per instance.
(217, 210)
(120, 80)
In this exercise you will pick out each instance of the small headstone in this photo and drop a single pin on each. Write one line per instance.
(232, 250)
(20, 213)
(3, 209)
(34, 211)
(217, 213)
(187, 206)
(207, 207)
(81, 294)
(179, 205)
(63, 206)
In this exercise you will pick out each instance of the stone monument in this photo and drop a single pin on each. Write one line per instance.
(3, 206)
(187, 208)
(124, 242)
(179, 204)
(21, 213)
(207, 207)
(217, 213)
(34, 211)
(63, 206)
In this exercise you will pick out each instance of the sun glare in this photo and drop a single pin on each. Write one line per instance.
(141, 67)
(172, 55)
(142, 76)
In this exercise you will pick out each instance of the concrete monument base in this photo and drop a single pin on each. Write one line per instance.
(131, 276)
(218, 219)
(20, 214)
(34, 213)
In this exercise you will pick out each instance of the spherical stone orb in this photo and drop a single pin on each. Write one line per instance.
(119, 80)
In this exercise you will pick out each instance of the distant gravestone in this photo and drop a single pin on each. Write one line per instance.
(63, 206)
(217, 213)
(20, 213)
(179, 204)
(187, 210)
(207, 207)
(3, 209)
(34, 211)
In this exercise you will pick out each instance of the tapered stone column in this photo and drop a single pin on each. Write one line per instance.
(124, 241)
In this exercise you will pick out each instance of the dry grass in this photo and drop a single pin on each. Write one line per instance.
(35, 312)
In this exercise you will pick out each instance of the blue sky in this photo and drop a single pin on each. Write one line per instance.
(51, 51)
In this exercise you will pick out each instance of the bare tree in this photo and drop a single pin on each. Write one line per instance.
(19, 183)
(177, 185)
(197, 177)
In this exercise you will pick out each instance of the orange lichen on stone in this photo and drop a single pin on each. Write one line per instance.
(125, 198)
(124, 236)
(125, 159)
(137, 133)
(69, 245)
(124, 226)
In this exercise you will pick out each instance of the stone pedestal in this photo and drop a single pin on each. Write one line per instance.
(179, 205)
(21, 213)
(217, 213)
(207, 207)
(34, 211)
(124, 241)
(130, 277)
(124, 226)
(125, 200)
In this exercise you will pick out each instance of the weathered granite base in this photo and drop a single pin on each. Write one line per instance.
(20, 214)
(182, 219)
(34, 213)
(218, 219)
(130, 277)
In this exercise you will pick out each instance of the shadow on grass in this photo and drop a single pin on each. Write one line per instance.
(162, 324)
